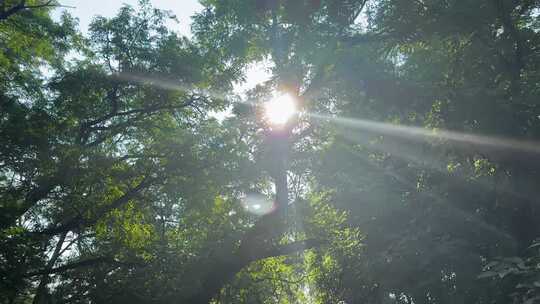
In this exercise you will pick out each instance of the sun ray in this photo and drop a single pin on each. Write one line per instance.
(423, 134)
(404, 144)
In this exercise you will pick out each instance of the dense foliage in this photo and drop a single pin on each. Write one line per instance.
(411, 169)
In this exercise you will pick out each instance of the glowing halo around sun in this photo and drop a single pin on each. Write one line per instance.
(280, 109)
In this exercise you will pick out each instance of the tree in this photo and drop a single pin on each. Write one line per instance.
(117, 175)
(435, 208)
(444, 206)
(118, 185)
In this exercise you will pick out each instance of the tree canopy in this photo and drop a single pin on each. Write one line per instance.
(408, 174)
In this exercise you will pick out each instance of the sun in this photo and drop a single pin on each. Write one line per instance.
(280, 109)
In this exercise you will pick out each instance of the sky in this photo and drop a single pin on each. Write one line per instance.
(86, 10)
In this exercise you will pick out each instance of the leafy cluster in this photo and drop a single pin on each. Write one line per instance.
(409, 175)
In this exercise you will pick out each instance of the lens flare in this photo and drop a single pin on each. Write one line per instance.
(280, 109)
(257, 204)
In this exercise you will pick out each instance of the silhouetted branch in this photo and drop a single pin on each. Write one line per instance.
(79, 221)
(79, 264)
(6, 13)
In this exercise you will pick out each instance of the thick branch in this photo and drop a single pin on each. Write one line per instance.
(80, 221)
(39, 192)
(131, 116)
(290, 248)
(12, 10)
(78, 264)
(225, 269)
(41, 291)
(257, 244)
(22, 6)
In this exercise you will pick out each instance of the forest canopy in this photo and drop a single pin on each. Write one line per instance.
(393, 156)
